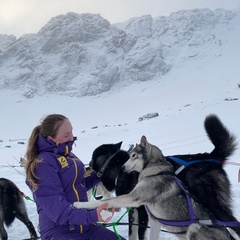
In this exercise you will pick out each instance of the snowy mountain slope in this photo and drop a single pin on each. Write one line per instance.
(83, 54)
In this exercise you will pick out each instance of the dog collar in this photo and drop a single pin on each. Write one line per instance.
(102, 170)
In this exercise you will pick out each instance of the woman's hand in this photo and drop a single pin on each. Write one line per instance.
(104, 215)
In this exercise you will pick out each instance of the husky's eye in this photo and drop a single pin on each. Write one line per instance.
(133, 155)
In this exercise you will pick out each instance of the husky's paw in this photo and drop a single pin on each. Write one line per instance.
(77, 204)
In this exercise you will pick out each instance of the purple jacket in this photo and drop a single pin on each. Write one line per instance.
(61, 181)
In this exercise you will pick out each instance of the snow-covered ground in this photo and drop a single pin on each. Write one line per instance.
(182, 105)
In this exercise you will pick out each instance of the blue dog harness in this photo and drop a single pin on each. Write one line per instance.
(184, 163)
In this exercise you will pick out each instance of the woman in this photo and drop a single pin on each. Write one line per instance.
(57, 179)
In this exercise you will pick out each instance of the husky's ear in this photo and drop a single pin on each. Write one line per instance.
(118, 145)
(143, 142)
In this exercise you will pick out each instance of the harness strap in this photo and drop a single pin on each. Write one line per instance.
(192, 215)
(104, 166)
(189, 222)
(25, 196)
(185, 163)
(189, 200)
(229, 224)
(180, 223)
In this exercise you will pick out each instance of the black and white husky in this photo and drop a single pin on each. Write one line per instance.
(107, 161)
(165, 197)
(11, 206)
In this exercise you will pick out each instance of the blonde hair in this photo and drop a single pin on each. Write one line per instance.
(48, 127)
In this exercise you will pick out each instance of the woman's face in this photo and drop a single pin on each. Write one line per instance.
(64, 133)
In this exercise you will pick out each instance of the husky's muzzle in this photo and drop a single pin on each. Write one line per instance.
(128, 167)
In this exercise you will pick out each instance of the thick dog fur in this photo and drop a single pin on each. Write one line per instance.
(158, 190)
(150, 162)
(11, 206)
(207, 180)
(118, 182)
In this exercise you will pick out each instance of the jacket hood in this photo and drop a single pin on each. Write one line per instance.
(45, 145)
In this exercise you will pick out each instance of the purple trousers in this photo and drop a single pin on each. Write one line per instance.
(96, 232)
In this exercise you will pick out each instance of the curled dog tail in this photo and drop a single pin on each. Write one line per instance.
(224, 142)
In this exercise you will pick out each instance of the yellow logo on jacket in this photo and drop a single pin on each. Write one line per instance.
(63, 161)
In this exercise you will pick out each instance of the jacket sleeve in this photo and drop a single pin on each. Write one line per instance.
(51, 199)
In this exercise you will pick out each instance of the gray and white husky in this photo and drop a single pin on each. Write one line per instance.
(165, 198)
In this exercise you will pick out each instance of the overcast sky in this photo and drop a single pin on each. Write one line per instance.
(18, 17)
